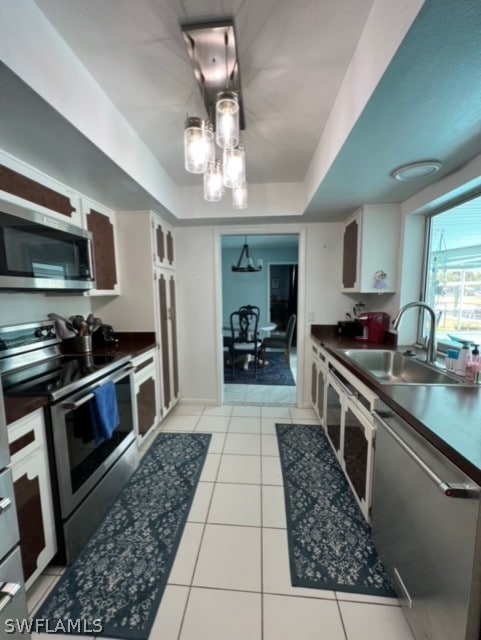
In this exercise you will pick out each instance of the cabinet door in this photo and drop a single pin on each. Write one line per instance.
(164, 244)
(334, 417)
(32, 488)
(101, 224)
(321, 384)
(358, 453)
(146, 395)
(31, 484)
(349, 255)
(168, 339)
(25, 185)
(314, 385)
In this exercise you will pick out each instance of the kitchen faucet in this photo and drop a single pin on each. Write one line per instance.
(431, 347)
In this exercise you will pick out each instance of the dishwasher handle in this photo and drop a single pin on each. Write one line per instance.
(450, 490)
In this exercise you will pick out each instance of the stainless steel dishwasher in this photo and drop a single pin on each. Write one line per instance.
(426, 527)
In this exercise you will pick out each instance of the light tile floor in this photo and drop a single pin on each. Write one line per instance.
(230, 579)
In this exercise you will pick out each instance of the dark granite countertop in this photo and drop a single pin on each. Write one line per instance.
(448, 416)
(129, 344)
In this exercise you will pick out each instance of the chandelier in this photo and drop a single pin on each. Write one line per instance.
(212, 146)
(249, 265)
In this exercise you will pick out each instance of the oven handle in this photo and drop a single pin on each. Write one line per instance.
(8, 591)
(72, 406)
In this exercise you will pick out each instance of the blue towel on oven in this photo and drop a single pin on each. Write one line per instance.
(105, 413)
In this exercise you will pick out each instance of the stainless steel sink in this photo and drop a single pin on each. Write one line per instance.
(393, 367)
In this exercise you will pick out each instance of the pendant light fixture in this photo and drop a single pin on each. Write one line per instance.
(227, 120)
(213, 187)
(213, 53)
(239, 196)
(249, 265)
(198, 144)
(234, 167)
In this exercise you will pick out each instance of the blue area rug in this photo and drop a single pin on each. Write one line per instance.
(330, 544)
(276, 372)
(118, 579)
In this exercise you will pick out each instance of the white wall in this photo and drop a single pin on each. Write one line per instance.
(18, 308)
(198, 314)
(199, 299)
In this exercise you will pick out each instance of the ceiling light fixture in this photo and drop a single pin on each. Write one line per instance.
(239, 196)
(416, 170)
(213, 53)
(250, 265)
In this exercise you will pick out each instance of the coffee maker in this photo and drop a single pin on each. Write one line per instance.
(374, 326)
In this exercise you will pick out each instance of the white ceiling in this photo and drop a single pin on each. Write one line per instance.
(293, 58)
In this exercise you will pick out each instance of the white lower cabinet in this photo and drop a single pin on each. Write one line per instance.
(349, 427)
(33, 494)
(358, 452)
(146, 391)
(318, 381)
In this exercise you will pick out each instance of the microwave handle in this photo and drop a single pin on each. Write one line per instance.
(71, 406)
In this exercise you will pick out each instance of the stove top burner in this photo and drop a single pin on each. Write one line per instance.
(59, 376)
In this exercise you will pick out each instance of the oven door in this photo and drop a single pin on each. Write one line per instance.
(80, 462)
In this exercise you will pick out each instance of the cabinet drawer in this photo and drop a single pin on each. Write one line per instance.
(25, 436)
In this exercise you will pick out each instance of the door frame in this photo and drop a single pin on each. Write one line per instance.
(264, 230)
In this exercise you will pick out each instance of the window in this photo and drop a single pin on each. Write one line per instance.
(453, 273)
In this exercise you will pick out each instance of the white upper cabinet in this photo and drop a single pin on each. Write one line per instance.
(28, 187)
(101, 222)
(371, 249)
(163, 243)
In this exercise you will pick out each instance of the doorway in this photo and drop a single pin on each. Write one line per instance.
(255, 288)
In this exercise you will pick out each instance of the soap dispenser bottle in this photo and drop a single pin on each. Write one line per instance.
(464, 358)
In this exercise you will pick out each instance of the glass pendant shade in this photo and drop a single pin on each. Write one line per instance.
(239, 196)
(234, 167)
(213, 187)
(227, 120)
(198, 145)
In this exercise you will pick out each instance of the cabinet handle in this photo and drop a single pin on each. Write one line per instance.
(5, 504)
(8, 591)
(453, 490)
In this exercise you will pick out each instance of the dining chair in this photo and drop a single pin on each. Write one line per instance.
(250, 307)
(281, 340)
(244, 338)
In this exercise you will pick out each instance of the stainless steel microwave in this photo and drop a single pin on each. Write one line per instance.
(39, 252)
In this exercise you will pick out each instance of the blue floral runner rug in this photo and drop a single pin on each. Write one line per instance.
(330, 544)
(276, 372)
(117, 581)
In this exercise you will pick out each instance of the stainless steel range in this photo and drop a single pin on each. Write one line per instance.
(87, 473)
(13, 604)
